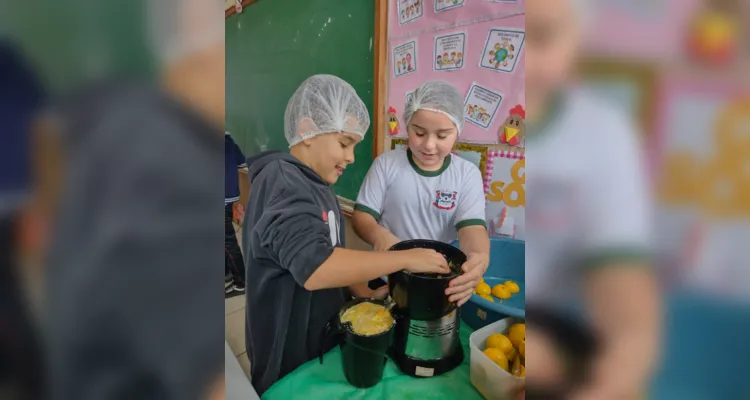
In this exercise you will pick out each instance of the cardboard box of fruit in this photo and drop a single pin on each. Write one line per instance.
(498, 358)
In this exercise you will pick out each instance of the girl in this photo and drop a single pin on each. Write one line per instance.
(424, 192)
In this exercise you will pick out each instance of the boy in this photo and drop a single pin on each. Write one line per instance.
(234, 265)
(588, 212)
(293, 234)
(425, 193)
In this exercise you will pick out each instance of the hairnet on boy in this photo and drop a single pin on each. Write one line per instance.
(440, 97)
(324, 104)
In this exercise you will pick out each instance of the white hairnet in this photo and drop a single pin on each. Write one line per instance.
(179, 28)
(437, 96)
(324, 104)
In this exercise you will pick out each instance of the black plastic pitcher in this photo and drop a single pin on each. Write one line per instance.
(363, 357)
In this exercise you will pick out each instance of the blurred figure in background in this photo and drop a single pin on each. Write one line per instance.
(21, 97)
(588, 219)
(234, 264)
(134, 301)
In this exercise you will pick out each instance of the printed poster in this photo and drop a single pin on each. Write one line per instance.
(502, 49)
(409, 10)
(405, 58)
(449, 51)
(442, 5)
(481, 105)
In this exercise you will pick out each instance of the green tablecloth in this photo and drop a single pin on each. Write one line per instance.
(313, 380)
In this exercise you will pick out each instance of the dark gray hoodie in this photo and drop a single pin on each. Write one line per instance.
(292, 224)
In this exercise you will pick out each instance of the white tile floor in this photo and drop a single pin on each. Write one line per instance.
(235, 330)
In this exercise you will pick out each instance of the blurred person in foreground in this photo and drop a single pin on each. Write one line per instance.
(21, 97)
(134, 307)
(588, 220)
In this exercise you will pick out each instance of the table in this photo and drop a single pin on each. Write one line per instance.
(315, 381)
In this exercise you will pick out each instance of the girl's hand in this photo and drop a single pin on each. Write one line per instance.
(461, 288)
(380, 293)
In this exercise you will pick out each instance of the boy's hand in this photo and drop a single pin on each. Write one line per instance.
(425, 261)
(461, 288)
(385, 241)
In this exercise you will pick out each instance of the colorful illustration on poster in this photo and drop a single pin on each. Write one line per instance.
(442, 5)
(481, 105)
(392, 121)
(405, 58)
(409, 10)
(449, 51)
(502, 49)
(513, 130)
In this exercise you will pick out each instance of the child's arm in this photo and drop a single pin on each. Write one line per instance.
(475, 242)
(472, 237)
(366, 227)
(345, 267)
(292, 231)
(370, 205)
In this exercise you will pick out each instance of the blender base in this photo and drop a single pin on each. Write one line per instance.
(427, 368)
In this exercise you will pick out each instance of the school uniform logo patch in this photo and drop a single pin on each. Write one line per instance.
(445, 199)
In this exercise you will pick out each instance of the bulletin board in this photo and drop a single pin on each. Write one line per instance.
(628, 85)
(703, 184)
(478, 46)
(646, 29)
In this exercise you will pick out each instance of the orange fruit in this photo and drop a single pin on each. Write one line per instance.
(499, 341)
(501, 292)
(512, 286)
(483, 289)
(517, 334)
(497, 356)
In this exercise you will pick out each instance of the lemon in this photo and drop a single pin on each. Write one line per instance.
(516, 368)
(501, 292)
(487, 297)
(497, 356)
(522, 348)
(483, 289)
(512, 286)
(517, 334)
(512, 354)
(481, 280)
(499, 341)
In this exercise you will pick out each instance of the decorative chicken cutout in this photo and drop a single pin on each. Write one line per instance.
(513, 130)
(392, 121)
(715, 33)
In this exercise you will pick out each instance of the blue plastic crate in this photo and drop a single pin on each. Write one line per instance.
(507, 262)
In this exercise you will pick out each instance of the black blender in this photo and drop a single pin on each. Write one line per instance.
(426, 341)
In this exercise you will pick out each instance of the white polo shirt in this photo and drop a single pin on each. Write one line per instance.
(416, 204)
(588, 198)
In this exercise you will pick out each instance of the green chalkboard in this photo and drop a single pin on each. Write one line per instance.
(274, 45)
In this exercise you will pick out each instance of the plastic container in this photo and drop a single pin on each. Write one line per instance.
(363, 357)
(493, 382)
(507, 262)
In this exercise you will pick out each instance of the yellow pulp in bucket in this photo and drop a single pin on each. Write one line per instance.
(368, 319)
